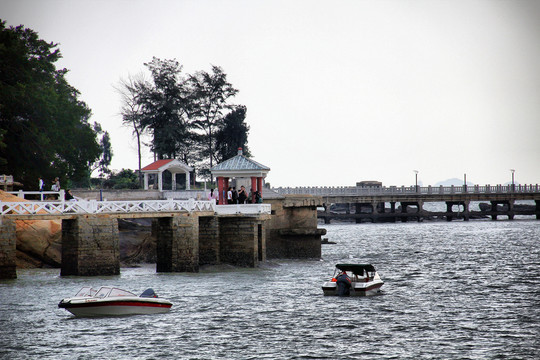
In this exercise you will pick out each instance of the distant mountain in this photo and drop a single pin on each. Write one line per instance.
(454, 181)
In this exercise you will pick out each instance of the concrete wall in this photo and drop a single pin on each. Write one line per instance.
(8, 251)
(90, 246)
(292, 231)
(118, 195)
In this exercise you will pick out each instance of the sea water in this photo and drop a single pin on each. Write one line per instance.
(459, 290)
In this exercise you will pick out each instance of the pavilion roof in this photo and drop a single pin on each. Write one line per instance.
(166, 164)
(239, 165)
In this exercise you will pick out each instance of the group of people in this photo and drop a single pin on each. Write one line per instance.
(55, 186)
(236, 197)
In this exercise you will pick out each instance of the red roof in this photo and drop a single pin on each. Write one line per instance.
(156, 164)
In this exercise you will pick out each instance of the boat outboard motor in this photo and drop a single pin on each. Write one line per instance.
(343, 285)
(149, 293)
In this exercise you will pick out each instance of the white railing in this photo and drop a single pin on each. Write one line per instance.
(104, 207)
(407, 190)
(243, 209)
(43, 195)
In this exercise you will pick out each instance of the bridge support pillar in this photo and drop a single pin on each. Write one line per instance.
(209, 246)
(90, 246)
(537, 210)
(494, 210)
(8, 249)
(511, 210)
(178, 244)
(327, 213)
(242, 241)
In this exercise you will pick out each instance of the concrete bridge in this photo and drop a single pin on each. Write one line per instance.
(369, 204)
(189, 233)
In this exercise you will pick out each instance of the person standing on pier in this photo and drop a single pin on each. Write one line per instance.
(229, 196)
(41, 184)
(242, 195)
(234, 195)
(213, 195)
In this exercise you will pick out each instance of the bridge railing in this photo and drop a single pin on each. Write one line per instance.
(407, 190)
(104, 207)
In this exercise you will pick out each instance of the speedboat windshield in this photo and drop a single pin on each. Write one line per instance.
(106, 291)
(86, 291)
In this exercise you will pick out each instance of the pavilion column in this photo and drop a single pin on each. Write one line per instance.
(145, 181)
(160, 181)
(188, 180)
(260, 186)
(225, 189)
(173, 181)
(221, 185)
(253, 188)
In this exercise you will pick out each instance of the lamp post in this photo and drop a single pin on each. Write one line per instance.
(464, 182)
(416, 180)
(513, 185)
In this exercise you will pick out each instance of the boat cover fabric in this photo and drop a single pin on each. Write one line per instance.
(149, 293)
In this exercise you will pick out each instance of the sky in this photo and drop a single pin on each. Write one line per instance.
(336, 91)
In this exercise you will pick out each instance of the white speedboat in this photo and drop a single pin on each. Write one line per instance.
(353, 280)
(113, 301)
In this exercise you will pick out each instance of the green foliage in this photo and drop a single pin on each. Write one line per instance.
(165, 106)
(209, 94)
(123, 179)
(232, 134)
(185, 115)
(45, 125)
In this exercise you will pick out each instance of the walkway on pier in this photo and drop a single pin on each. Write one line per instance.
(369, 203)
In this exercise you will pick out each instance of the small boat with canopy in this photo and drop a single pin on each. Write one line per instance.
(353, 280)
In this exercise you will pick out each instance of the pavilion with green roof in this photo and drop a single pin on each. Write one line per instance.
(239, 167)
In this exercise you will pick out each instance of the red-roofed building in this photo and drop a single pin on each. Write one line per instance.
(173, 166)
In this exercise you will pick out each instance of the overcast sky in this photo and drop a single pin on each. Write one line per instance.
(336, 91)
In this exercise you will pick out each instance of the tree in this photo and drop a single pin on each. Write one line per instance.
(46, 127)
(210, 93)
(104, 161)
(165, 111)
(232, 134)
(132, 111)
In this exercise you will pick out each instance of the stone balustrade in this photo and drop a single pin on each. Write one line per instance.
(406, 190)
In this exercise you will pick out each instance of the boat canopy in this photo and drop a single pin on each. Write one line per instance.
(357, 269)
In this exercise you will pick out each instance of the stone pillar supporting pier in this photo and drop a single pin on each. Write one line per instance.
(495, 211)
(242, 241)
(209, 246)
(178, 243)
(465, 213)
(90, 246)
(8, 249)
(327, 213)
(404, 211)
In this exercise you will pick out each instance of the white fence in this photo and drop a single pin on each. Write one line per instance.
(140, 206)
(407, 190)
(104, 207)
(43, 195)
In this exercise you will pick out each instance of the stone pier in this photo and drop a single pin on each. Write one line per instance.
(90, 246)
(209, 245)
(178, 243)
(292, 231)
(242, 241)
(8, 249)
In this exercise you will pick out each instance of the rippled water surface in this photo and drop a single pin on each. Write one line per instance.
(452, 291)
